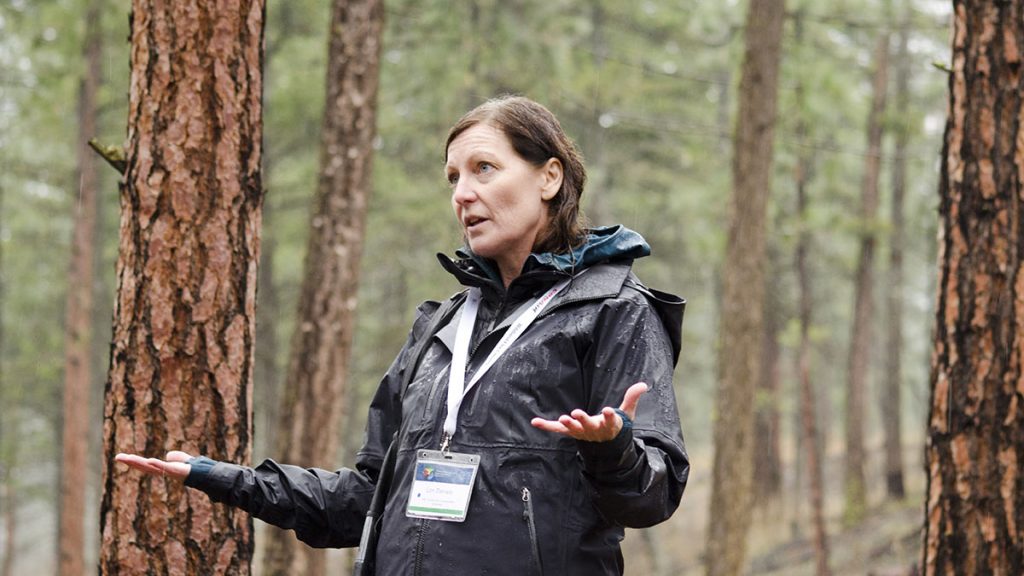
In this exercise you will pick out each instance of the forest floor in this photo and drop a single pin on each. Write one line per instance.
(887, 542)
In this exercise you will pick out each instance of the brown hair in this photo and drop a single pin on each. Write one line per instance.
(537, 136)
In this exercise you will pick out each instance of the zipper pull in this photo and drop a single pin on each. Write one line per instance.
(526, 504)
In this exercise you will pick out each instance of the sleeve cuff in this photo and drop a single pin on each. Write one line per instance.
(616, 455)
(200, 470)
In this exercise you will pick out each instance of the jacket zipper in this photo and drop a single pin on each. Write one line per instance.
(418, 562)
(532, 527)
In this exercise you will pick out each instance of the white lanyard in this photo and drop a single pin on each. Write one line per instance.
(457, 387)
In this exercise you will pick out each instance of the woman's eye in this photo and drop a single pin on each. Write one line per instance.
(453, 179)
(485, 167)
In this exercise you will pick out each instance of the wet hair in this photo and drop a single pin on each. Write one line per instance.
(537, 136)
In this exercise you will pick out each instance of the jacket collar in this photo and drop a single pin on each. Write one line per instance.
(594, 283)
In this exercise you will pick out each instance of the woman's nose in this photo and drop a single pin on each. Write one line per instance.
(463, 192)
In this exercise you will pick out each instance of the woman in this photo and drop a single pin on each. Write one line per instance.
(532, 416)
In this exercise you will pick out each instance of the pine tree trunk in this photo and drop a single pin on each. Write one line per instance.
(322, 344)
(855, 481)
(809, 425)
(78, 321)
(8, 498)
(974, 521)
(267, 371)
(9, 502)
(655, 552)
(184, 318)
(266, 374)
(767, 459)
(743, 291)
(891, 403)
(810, 441)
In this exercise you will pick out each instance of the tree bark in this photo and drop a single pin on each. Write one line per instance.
(855, 482)
(808, 419)
(78, 321)
(9, 501)
(8, 497)
(743, 291)
(891, 403)
(266, 374)
(322, 342)
(810, 439)
(184, 319)
(974, 520)
(767, 458)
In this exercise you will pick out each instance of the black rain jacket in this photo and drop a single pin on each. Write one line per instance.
(600, 335)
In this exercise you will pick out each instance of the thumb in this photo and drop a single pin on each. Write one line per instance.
(177, 456)
(632, 397)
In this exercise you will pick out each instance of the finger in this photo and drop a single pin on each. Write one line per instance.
(586, 420)
(632, 397)
(549, 426)
(138, 463)
(177, 456)
(604, 426)
(573, 425)
(177, 470)
(598, 428)
(611, 421)
(594, 427)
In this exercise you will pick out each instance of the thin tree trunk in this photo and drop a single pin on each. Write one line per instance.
(808, 419)
(595, 137)
(767, 459)
(855, 481)
(974, 521)
(811, 441)
(78, 322)
(890, 400)
(743, 291)
(8, 497)
(267, 372)
(184, 319)
(322, 343)
(267, 376)
(655, 552)
(9, 501)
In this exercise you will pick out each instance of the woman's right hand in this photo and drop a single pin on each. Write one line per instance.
(172, 466)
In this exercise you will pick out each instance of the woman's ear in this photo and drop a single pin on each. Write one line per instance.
(551, 174)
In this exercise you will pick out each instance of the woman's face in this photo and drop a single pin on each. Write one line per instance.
(500, 199)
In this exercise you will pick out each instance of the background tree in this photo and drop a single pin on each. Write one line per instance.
(810, 439)
(855, 479)
(743, 290)
(890, 399)
(316, 382)
(975, 504)
(184, 322)
(78, 323)
(767, 416)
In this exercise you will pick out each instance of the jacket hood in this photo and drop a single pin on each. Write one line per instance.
(602, 244)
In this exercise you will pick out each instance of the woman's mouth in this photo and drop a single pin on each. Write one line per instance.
(473, 221)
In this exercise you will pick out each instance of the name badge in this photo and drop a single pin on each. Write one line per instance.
(442, 484)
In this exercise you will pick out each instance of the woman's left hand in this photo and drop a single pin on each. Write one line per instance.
(599, 427)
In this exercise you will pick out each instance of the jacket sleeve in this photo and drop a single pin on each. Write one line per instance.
(326, 509)
(637, 479)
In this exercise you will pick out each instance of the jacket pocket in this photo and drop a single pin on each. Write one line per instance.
(531, 526)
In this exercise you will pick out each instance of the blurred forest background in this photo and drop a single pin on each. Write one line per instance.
(648, 89)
